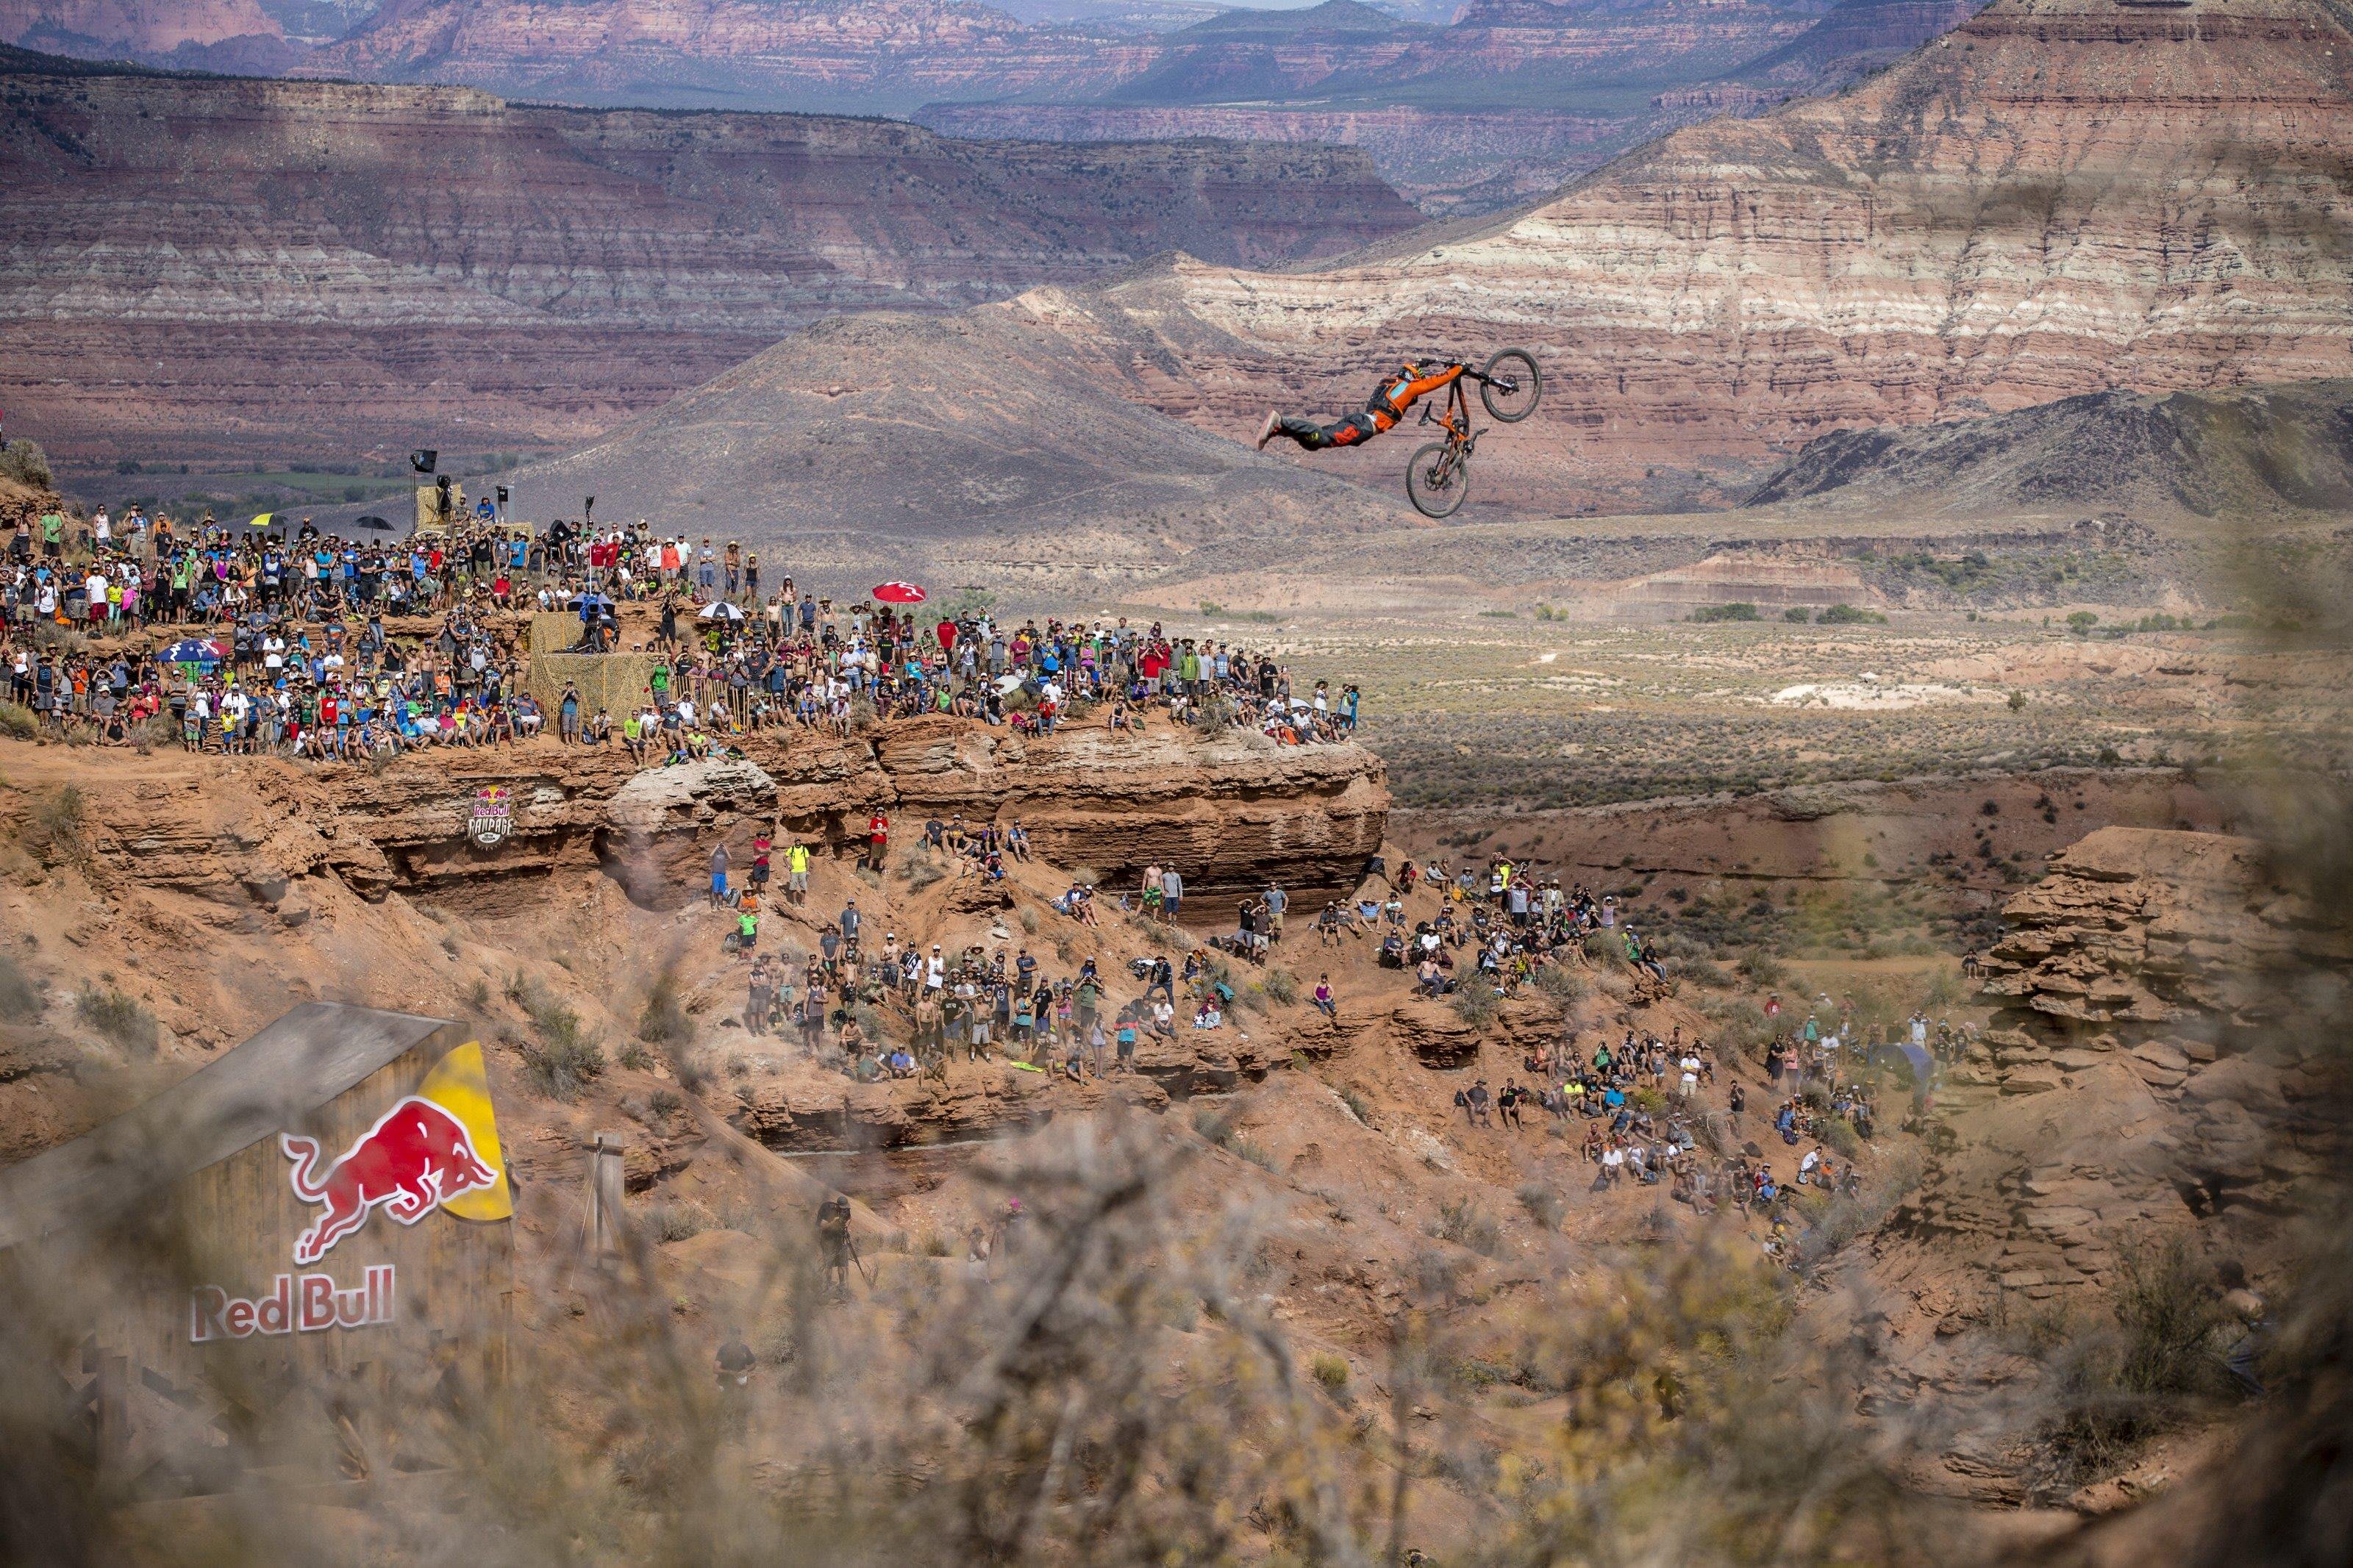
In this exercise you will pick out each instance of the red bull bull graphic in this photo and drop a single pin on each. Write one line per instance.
(300, 1304)
(435, 1148)
(416, 1157)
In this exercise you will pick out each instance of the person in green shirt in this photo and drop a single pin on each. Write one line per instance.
(53, 533)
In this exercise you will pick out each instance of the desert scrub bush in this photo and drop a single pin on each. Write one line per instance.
(2131, 1372)
(1839, 1220)
(2170, 1310)
(20, 999)
(1476, 1001)
(1560, 982)
(1212, 1124)
(664, 1104)
(1543, 1204)
(1029, 919)
(1279, 986)
(1839, 1136)
(663, 1021)
(923, 871)
(564, 1057)
(1739, 611)
(1699, 971)
(1740, 1020)
(634, 1056)
(1358, 1106)
(1762, 968)
(1464, 1224)
(17, 721)
(25, 463)
(679, 1220)
(1329, 1369)
(560, 1068)
(1796, 614)
(118, 1018)
(1605, 948)
(1256, 1153)
(53, 827)
(1850, 616)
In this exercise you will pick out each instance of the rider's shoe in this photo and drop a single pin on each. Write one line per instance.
(1266, 432)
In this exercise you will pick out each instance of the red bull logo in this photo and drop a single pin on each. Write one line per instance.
(304, 1305)
(416, 1157)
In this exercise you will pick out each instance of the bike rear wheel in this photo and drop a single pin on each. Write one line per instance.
(1437, 479)
(1514, 386)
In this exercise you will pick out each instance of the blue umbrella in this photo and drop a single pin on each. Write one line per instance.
(194, 650)
(1916, 1057)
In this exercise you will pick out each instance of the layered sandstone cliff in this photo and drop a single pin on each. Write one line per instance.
(2059, 197)
(1230, 812)
(229, 264)
(1445, 160)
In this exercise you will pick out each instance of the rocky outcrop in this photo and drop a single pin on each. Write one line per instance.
(2140, 1084)
(807, 1110)
(596, 263)
(1229, 813)
(2151, 1067)
(2179, 938)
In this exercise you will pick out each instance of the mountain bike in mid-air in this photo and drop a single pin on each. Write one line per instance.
(1438, 478)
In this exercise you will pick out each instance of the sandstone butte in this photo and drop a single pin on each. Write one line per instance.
(241, 265)
(2059, 197)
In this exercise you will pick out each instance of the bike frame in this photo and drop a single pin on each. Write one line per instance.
(1459, 434)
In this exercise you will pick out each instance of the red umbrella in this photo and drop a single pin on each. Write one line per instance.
(899, 593)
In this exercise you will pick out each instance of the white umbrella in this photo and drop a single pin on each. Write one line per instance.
(720, 610)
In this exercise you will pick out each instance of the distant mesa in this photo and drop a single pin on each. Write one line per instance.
(2248, 451)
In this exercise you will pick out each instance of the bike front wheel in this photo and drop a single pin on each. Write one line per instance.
(1512, 385)
(1437, 479)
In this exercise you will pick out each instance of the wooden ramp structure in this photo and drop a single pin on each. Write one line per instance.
(299, 1259)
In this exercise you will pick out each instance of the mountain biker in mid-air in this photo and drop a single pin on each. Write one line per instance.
(1390, 399)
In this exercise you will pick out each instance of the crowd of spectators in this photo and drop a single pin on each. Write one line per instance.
(309, 644)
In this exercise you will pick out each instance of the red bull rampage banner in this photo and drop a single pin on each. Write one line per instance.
(435, 1149)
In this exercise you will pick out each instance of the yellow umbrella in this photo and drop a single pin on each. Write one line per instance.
(262, 521)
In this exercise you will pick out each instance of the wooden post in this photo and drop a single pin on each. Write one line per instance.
(110, 1401)
(602, 1238)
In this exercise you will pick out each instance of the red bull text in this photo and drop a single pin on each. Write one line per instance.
(295, 1304)
(415, 1157)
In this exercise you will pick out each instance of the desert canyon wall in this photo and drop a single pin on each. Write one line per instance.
(249, 268)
